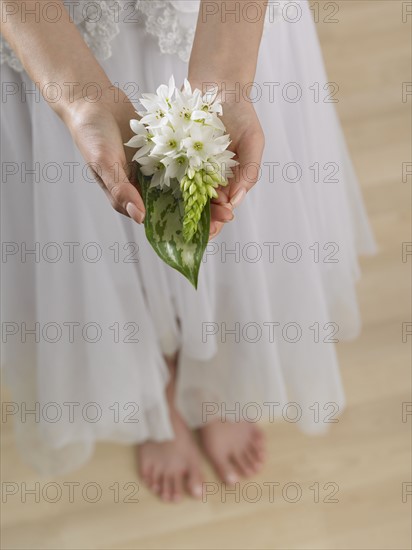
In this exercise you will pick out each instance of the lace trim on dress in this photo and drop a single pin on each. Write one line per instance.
(165, 23)
(98, 23)
(163, 20)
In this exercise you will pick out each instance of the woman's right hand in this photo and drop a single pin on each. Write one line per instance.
(100, 130)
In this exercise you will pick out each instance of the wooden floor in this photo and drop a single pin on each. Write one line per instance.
(367, 455)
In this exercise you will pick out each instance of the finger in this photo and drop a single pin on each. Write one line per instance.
(247, 172)
(222, 195)
(215, 229)
(220, 213)
(124, 196)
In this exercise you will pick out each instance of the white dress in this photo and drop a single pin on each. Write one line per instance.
(277, 286)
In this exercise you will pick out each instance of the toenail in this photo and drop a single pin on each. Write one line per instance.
(232, 479)
(197, 491)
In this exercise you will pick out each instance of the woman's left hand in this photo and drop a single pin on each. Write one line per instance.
(248, 141)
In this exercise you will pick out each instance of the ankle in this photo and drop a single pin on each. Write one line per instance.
(171, 362)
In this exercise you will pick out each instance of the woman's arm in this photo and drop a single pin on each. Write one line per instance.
(51, 51)
(225, 52)
(56, 52)
(227, 41)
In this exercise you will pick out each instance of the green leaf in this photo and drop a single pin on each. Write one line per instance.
(164, 230)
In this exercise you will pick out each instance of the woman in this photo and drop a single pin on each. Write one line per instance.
(102, 340)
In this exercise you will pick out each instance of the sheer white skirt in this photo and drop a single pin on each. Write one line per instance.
(88, 316)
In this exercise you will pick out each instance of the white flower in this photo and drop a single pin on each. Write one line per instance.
(165, 93)
(224, 163)
(175, 167)
(152, 166)
(186, 103)
(210, 99)
(210, 102)
(168, 142)
(181, 133)
(158, 105)
(208, 118)
(187, 89)
(202, 144)
(142, 139)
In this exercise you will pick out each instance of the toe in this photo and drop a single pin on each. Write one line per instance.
(258, 436)
(177, 492)
(252, 460)
(242, 464)
(256, 455)
(156, 481)
(146, 473)
(194, 482)
(258, 443)
(167, 488)
(226, 470)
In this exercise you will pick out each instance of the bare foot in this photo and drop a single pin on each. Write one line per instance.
(171, 468)
(235, 449)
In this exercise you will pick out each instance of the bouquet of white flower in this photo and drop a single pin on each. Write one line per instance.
(183, 159)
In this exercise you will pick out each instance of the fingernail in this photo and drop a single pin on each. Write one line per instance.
(227, 205)
(213, 230)
(136, 214)
(238, 198)
(229, 220)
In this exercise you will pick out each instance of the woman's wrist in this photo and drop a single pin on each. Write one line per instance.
(77, 95)
(226, 74)
(112, 103)
(105, 97)
(226, 48)
(230, 90)
(221, 73)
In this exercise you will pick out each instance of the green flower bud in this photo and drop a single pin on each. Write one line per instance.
(198, 179)
(216, 177)
(196, 192)
(210, 181)
(211, 191)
